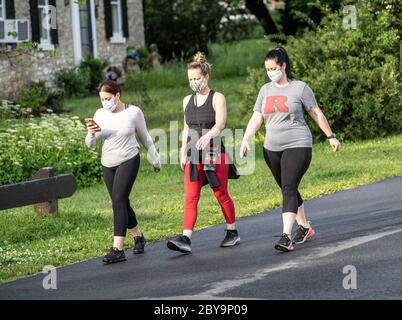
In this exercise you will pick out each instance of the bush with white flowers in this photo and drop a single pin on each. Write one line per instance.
(27, 145)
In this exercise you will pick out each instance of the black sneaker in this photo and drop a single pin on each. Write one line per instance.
(180, 243)
(115, 255)
(302, 234)
(284, 244)
(231, 239)
(139, 244)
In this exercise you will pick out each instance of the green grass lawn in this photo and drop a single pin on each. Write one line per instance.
(84, 226)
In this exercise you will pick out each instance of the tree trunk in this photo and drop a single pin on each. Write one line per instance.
(258, 8)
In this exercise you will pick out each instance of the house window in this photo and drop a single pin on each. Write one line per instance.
(2, 17)
(44, 25)
(2, 10)
(117, 22)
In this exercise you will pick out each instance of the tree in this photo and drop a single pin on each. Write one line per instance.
(259, 9)
(180, 28)
(301, 14)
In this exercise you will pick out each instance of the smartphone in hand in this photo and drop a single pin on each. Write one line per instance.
(92, 124)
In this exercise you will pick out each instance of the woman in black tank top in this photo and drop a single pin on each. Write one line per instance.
(203, 158)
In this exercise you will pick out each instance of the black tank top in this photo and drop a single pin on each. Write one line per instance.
(200, 118)
(197, 119)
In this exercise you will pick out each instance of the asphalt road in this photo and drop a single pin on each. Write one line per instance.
(361, 228)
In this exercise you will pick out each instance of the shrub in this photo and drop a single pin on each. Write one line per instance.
(74, 82)
(144, 54)
(300, 14)
(34, 95)
(94, 68)
(56, 141)
(36, 98)
(354, 74)
(10, 110)
(79, 82)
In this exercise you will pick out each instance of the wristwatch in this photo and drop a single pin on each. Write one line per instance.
(333, 135)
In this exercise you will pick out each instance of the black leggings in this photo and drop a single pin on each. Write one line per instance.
(119, 180)
(288, 167)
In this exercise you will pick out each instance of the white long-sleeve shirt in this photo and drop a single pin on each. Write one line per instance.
(117, 136)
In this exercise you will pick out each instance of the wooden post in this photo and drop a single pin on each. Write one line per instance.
(45, 208)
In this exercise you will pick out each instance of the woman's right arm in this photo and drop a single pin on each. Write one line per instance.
(254, 124)
(252, 127)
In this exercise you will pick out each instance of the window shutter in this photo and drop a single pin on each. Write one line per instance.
(108, 19)
(35, 23)
(54, 35)
(124, 17)
(10, 9)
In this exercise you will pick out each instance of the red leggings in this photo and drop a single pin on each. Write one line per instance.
(192, 190)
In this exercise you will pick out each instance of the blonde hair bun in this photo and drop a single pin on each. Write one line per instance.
(200, 61)
(199, 58)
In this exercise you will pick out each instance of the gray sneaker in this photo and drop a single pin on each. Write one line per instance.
(231, 239)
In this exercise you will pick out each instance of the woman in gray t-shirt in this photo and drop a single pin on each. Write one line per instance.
(288, 142)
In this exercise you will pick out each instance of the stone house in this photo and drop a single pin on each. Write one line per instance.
(74, 28)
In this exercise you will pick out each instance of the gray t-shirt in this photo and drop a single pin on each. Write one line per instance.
(118, 136)
(282, 109)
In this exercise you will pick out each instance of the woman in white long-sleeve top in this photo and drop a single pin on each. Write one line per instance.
(115, 126)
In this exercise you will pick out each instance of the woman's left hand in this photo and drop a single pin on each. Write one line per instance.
(157, 167)
(335, 144)
(203, 142)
